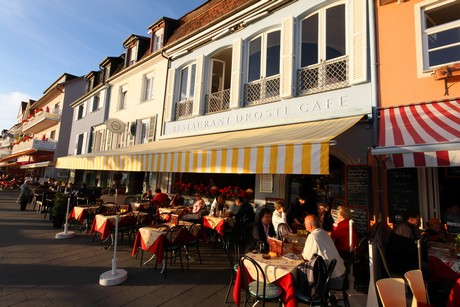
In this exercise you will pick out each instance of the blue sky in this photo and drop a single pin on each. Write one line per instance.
(42, 39)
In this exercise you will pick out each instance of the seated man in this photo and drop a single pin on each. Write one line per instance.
(160, 198)
(402, 253)
(320, 243)
(242, 220)
(262, 230)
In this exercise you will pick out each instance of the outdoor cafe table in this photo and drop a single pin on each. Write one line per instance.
(103, 223)
(277, 270)
(153, 238)
(446, 253)
(135, 206)
(216, 223)
(79, 213)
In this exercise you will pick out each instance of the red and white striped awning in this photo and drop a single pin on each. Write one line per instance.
(423, 135)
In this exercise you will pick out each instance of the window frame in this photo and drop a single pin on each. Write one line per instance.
(147, 87)
(190, 84)
(421, 38)
(122, 98)
(263, 54)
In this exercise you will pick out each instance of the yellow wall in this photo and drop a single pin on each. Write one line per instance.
(396, 45)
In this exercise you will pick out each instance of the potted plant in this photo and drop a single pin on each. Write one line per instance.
(59, 210)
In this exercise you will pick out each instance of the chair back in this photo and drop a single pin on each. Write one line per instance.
(392, 292)
(247, 264)
(417, 285)
(173, 233)
(283, 231)
(233, 253)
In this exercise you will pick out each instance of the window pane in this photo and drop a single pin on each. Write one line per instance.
(183, 84)
(444, 38)
(217, 76)
(273, 53)
(335, 32)
(309, 48)
(443, 56)
(442, 15)
(254, 59)
(192, 81)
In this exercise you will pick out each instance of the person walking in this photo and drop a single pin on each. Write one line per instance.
(25, 195)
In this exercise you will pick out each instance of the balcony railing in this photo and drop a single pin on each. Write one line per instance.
(184, 109)
(262, 91)
(323, 77)
(218, 101)
(41, 121)
(34, 144)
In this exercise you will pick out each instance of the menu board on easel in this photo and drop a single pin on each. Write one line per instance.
(358, 187)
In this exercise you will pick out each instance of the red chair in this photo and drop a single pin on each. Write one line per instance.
(454, 296)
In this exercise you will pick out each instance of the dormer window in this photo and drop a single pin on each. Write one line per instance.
(131, 56)
(158, 38)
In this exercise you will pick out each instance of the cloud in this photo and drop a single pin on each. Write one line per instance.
(10, 103)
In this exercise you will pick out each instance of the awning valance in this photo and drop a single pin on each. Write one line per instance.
(37, 164)
(424, 135)
(290, 149)
(18, 154)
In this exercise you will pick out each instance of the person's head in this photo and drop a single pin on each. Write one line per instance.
(265, 216)
(157, 190)
(239, 201)
(412, 217)
(279, 206)
(344, 213)
(221, 199)
(322, 207)
(302, 198)
(311, 222)
(435, 225)
(198, 196)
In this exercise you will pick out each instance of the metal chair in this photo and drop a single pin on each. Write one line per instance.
(346, 281)
(283, 231)
(192, 242)
(318, 294)
(258, 288)
(233, 253)
(172, 248)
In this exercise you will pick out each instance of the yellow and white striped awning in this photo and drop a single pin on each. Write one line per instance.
(290, 149)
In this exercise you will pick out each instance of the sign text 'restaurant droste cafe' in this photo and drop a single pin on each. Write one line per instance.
(329, 105)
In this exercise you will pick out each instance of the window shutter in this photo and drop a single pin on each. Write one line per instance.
(287, 57)
(109, 140)
(359, 42)
(83, 143)
(235, 82)
(102, 98)
(199, 72)
(170, 94)
(85, 104)
(102, 146)
(93, 139)
(75, 150)
(152, 128)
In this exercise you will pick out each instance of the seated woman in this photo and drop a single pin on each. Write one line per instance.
(147, 195)
(197, 211)
(341, 233)
(279, 215)
(263, 229)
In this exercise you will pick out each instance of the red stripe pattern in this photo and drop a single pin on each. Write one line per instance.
(422, 124)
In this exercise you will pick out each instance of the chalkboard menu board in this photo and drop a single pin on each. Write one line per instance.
(360, 217)
(402, 192)
(358, 185)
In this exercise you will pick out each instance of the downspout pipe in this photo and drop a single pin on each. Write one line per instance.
(165, 91)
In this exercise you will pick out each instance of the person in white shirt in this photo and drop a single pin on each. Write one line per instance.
(320, 243)
(279, 216)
